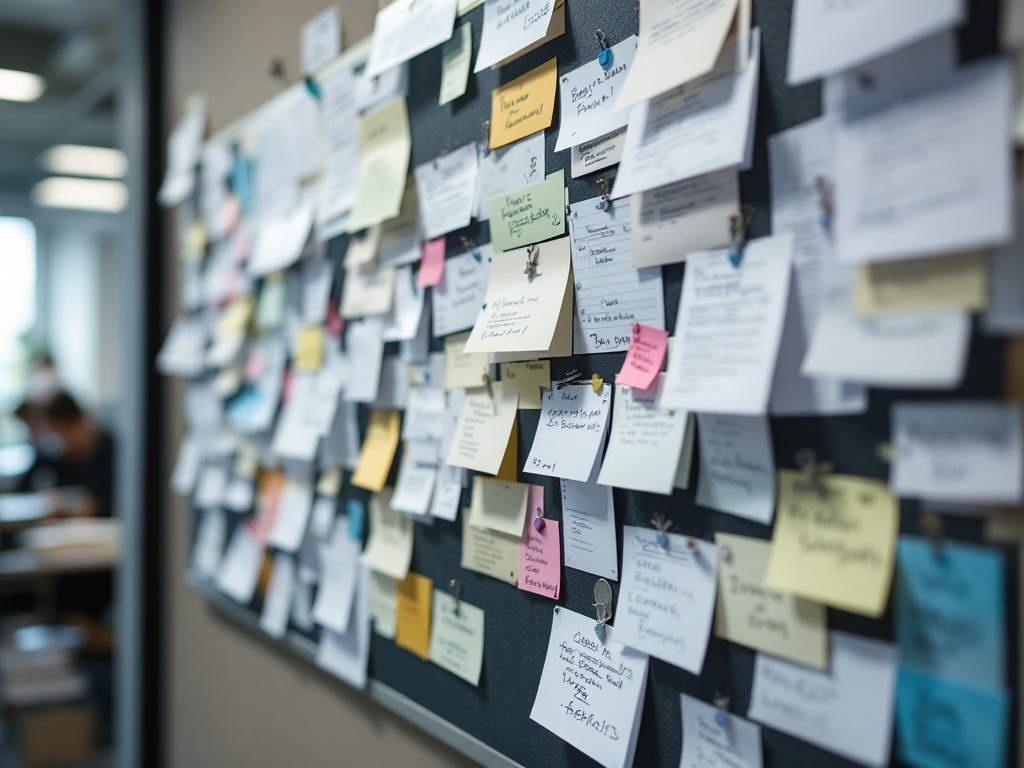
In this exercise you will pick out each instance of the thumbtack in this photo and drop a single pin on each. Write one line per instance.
(663, 524)
(606, 201)
(312, 88)
(597, 382)
(738, 233)
(538, 521)
(722, 705)
(603, 604)
(531, 262)
(604, 58)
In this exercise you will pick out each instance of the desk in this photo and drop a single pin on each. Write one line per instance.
(19, 510)
(32, 564)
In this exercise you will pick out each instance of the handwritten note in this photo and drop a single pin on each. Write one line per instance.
(588, 514)
(643, 361)
(510, 26)
(589, 97)
(412, 614)
(570, 433)
(736, 743)
(540, 554)
(455, 56)
(384, 146)
(603, 152)
(404, 30)
(341, 142)
(445, 188)
(458, 298)
(525, 105)
(611, 296)
(457, 637)
(463, 370)
(755, 615)
(378, 451)
(489, 552)
(737, 470)
(507, 169)
(389, 548)
(321, 39)
(591, 693)
(847, 709)
(836, 543)
(484, 425)
(529, 378)
(529, 215)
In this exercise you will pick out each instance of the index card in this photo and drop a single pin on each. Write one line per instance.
(529, 378)
(693, 130)
(507, 169)
(529, 215)
(949, 611)
(321, 39)
(831, 37)
(509, 27)
(389, 549)
(378, 451)
(339, 578)
(240, 567)
(706, 744)
(598, 713)
(278, 600)
(525, 105)
(184, 349)
(834, 544)
(484, 425)
(570, 432)
(590, 108)
(213, 528)
(679, 42)
(753, 614)
(412, 614)
(667, 598)
(690, 215)
(458, 298)
(364, 341)
(455, 56)
(445, 188)
(382, 596)
(645, 442)
(906, 155)
(463, 370)
(404, 30)
(368, 290)
(346, 655)
(958, 451)
(958, 281)
(371, 92)
(611, 296)
(603, 152)
(728, 329)
(499, 506)
(588, 514)
(415, 483)
(457, 637)
(737, 469)
(847, 710)
(292, 515)
(489, 552)
(384, 146)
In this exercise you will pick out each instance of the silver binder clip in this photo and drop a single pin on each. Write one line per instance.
(606, 200)
(569, 378)
(603, 597)
(531, 262)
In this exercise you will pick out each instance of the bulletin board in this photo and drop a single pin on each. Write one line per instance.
(493, 720)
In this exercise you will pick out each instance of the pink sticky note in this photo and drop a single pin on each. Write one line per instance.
(540, 551)
(335, 323)
(287, 385)
(644, 358)
(432, 263)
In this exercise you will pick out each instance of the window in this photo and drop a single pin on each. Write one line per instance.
(17, 305)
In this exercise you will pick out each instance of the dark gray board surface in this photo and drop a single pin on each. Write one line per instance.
(517, 623)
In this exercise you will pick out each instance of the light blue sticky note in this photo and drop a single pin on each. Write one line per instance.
(950, 620)
(356, 511)
(943, 724)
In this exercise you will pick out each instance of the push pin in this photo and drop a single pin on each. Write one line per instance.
(312, 88)
(486, 126)
(825, 202)
(603, 604)
(531, 263)
(456, 589)
(596, 381)
(738, 234)
(604, 58)
(722, 705)
(605, 202)
(486, 380)
(538, 521)
(663, 525)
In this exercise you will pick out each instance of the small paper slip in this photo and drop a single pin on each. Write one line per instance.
(341, 142)
(571, 432)
(505, 170)
(371, 92)
(382, 604)
(213, 480)
(834, 544)
(645, 443)
(432, 265)
(679, 42)
(603, 152)
(759, 617)
(829, 38)
(455, 56)
(424, 414)
(463, 370)
(280, 238)
(691, 215)
(484, 425)
(368, 290)
(529, 215)
(184, 146)
(292, 515)
(525, 105)
(611, 296)
(301, 607)
(415, 483)
(400, 237)
(589, 108)
(278, 600)
(206, 552)
(340, 447)
(240, 567)
(445, 188)
(384, 146)
(540, 553)
(693, 130)
(389, 548)
(321, 39)
(509, 27)
(728, 329)
(556, 28)
(643, 361)
(404, 29)
(597, 712)
(184, 349)
(186, 466)
(412, 614)
(971, 729)
(736, 743)
(491, 553)
(949, 611)
(906, 154)
(588, 514)
(378, 451)
(737, 469)
(458, 298)
(499, 506)
(457, 637)
(959, 281)
(847, 710)
(403, 322)
(667, 598)
(346, 655)
(447, 493)
(520, 314)
(339, 578)
(309, 353)
(958, 451)
(529, 378)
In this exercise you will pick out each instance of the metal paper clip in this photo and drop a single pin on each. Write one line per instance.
(606, 201)
(603, 597)
(738, 233)
(604, 58)
(531, 262)
(569, 378)
(456, 589)
(806, 460)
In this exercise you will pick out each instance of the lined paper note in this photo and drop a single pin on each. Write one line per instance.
(588, 517)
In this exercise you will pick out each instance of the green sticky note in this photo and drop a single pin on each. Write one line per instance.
(529, 215)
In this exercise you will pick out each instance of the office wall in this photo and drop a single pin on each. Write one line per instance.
(232, 699)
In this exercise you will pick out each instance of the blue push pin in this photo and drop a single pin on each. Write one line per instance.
(825, 202)
(722, 704)
(605, 57)
(738, 235)
(663, 524)
(312, 88)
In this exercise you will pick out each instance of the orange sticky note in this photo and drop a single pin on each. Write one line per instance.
(378, 451)
(644, 358)
(412, 614)
(431, 263)
(524, 106)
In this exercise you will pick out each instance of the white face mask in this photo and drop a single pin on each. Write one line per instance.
(42, 384)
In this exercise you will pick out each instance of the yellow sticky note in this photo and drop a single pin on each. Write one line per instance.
(759, 617)
(412, 614)
(195, 241)
(937, 283)
(835, 544)
(488, 552)
(384, 146)
(509, 469)
(309, 351)
(529, 378)
(378, 451)
(524, 106)
(236, 316)
(463, 370)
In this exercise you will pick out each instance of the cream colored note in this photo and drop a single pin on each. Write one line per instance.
(524, 106)
(528, 215)
(378, 451)
(498, 506)
(457, 637)
(389, 548)
(759, 617)
(384, 146)
(382, 604)
(835, 544)
(485, 422)
(455, 55)
(959, 281)
(463, 370)
(529, 378)
(489, 552)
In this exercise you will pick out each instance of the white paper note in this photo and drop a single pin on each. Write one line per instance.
(507, 169)
(406, 29)
(278, 601)
(570, 432)
(737, 468)
(706, 744)
(588, 525)
(240, 567)
(444, 505)
(365, 344)
(458, 298)
(321, 39)
(368, 290)
(339, 578)
(213, 527)
(589, 94)
(1005, 314)
(603, 152)
(346, 655)
(184, 349)
(455, 59)
(445, 187)
(292, 515)
(510, 26)
(415, 484)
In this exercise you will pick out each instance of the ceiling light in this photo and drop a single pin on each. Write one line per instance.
(20, 86)
(81, 194)
(76, 160)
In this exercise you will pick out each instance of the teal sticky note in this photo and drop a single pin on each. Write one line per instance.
(950, 620)
(356, 512)
(943, 724)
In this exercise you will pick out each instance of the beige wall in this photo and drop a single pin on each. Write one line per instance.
(234, 701)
